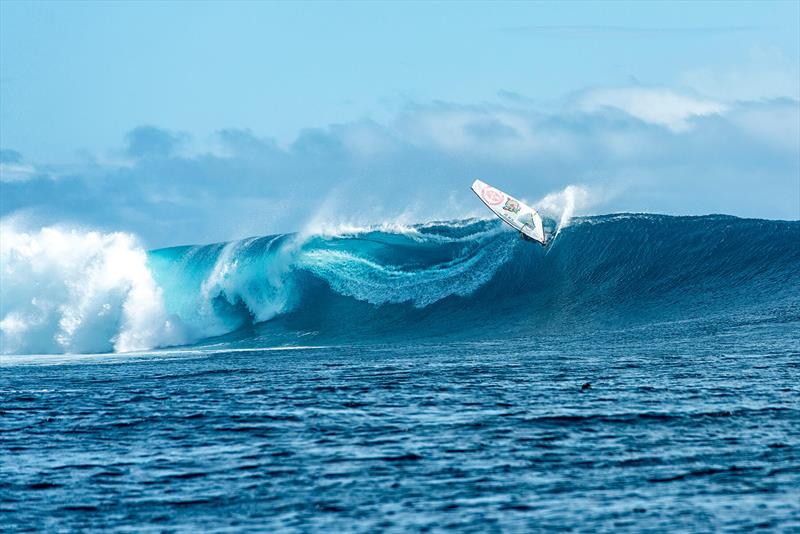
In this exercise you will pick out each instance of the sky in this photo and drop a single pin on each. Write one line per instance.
(194, 122)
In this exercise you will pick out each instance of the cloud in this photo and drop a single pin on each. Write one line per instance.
(659, 106)
(13, 168)
(149, 141)
(634, 149)
(10, 156)
(765, 74)
(491, 132)
(775, 125)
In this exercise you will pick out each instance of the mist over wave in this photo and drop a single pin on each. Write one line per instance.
(70, 291)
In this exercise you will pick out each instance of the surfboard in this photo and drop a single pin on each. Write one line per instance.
(516, 214)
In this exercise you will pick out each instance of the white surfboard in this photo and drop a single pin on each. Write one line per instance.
(515, 213)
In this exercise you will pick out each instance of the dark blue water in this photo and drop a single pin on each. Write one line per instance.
(446, 388)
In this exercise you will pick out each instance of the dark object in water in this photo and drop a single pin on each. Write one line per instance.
(586, 386)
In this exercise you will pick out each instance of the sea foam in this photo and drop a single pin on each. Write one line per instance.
(67, 290)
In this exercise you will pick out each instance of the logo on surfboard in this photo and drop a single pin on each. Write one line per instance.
(492, 196)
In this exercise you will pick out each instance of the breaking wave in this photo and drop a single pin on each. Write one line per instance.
(72, 291)
(69, 291)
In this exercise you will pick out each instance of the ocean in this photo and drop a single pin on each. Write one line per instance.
(641, 373)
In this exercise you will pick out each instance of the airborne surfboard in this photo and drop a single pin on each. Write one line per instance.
(516, 214)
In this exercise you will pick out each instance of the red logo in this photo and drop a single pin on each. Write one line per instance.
(492, 196)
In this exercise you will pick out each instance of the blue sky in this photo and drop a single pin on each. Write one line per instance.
(156, 118)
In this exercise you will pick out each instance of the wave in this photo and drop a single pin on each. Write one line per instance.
(67, 291)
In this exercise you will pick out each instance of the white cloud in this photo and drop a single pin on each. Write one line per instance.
(493, 132)
(659, 106)
(16, 172)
